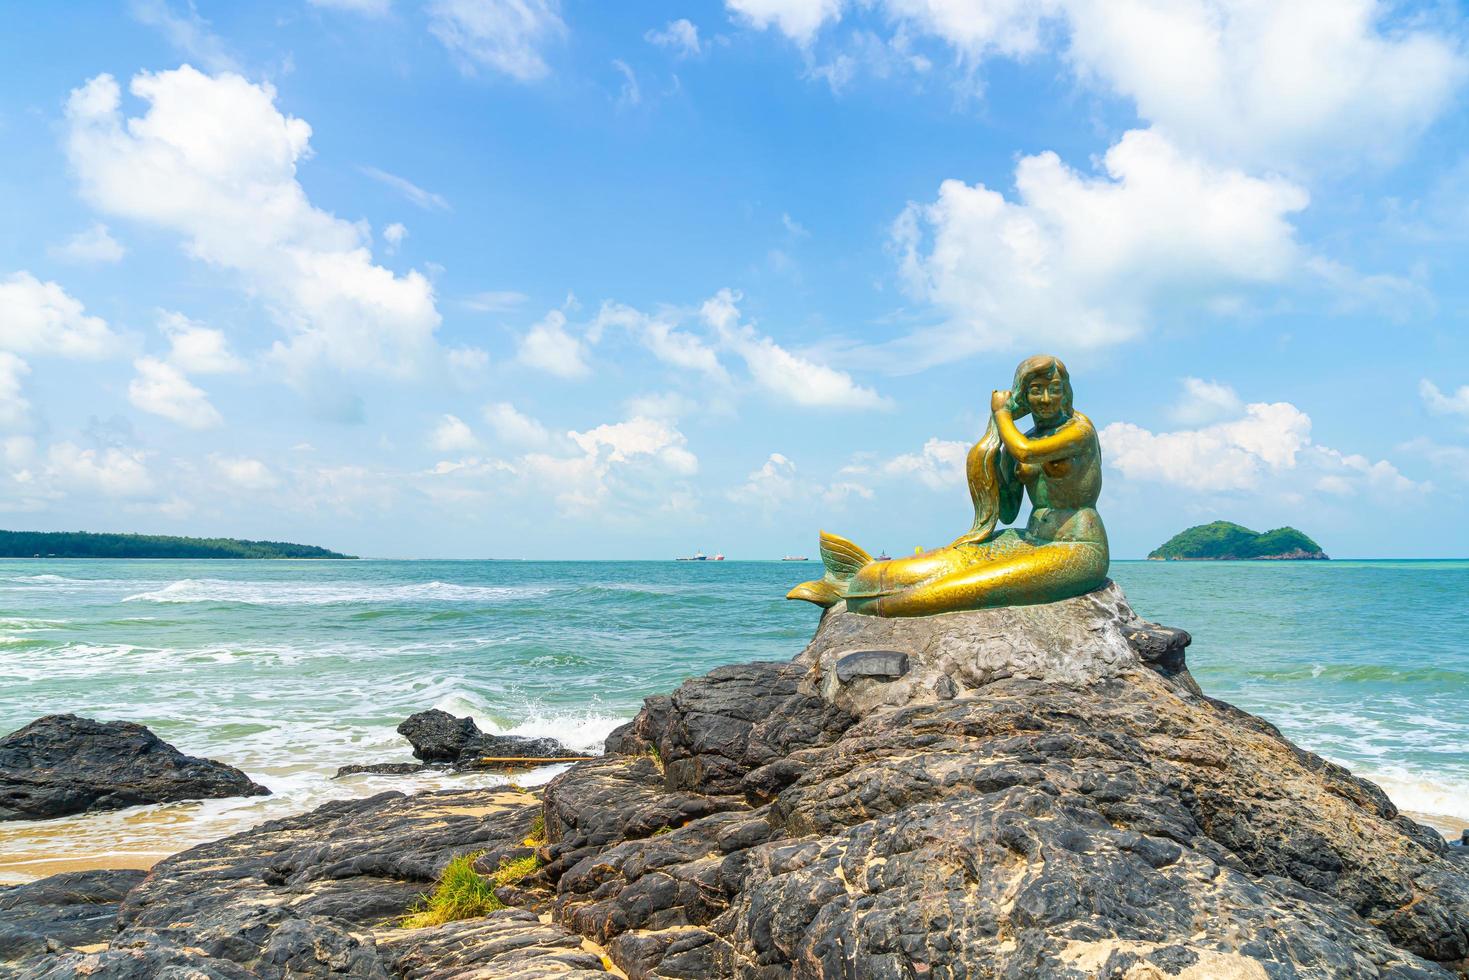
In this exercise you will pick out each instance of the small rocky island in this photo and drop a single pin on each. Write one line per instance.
(87, 544)
(1224, 541)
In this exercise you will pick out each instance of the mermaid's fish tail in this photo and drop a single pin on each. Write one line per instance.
(843, 560)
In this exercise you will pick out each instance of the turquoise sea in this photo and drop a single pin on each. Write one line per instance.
(291, 669)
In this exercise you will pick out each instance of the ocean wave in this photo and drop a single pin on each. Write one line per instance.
(1366, 673)
(294, 594)
(581, 729)
(1444, 797)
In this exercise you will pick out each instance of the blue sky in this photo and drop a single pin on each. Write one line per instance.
(520, 278)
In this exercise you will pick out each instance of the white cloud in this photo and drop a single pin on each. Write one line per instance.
(1268, 449)
(1206, 401)
(495, 301)
(1270, 84)
(189, 33)
(195, 348)
(549, 347)
(14, 408)
(368, 8)
(792, 377)
(622, 441)
(1281, 86)
(939, 465)
(629, 94)
(113, 472)
(1439, 403)
(506, 36)
(680, 35)
(797, 19)
(394, 234)
(160, 388)
(452, 435)
(774, 483)
(215, 161)
(245, 473)
(513, 426)
(663, 340)
(93, 246)
(427, 200)
(40, 318)
(1088, 256)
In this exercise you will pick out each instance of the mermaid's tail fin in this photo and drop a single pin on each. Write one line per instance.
(843, 560)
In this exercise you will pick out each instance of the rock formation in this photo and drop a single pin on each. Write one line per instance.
(62, 764)
(1027, 792)
(439, 737)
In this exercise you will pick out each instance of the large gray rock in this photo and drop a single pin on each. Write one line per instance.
(1073, 642)
(75, 908)
(1042, 792)
(63, 764)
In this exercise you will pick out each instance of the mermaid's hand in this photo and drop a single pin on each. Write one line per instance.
(999, 401)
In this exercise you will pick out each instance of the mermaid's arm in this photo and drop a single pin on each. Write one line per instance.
(1068, 441)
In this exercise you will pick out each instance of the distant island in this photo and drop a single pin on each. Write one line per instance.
(84, 544)
(1223, 541)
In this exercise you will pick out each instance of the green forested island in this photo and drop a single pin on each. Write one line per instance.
(1223, 541)
(84, 544)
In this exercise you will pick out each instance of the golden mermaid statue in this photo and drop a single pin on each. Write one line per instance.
(1061, 553)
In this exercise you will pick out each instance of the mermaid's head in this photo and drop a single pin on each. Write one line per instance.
(1042, 387)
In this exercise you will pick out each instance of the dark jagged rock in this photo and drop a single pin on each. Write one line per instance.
(511, 943)
(1043, 793)
(438, 736)
(76, 908)
(63, 764)
(323, 895)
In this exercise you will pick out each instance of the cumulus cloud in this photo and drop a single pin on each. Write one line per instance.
(93, 246)
(1455, 403)
(112, 472)
(14, 408)
(774, 483)
(452, 435)
(1268, 448)
(506, 36)
(513, 426)
(939, 465)
(680, 36)
(162, 389)
(41, 318)
(797, 19)
(1205, 401)
(244, 473)
(662, 338)
(1277, 85)
(550, 347)
(195, 347)
(623, 459)
(1290, 86)
(1087, 256)
(790, 376)
(214, 161)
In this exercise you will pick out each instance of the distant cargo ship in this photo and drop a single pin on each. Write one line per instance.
(700, 556)
(795, 558)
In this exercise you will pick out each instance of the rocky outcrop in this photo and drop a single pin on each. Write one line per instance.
(1036, 791)
(439, 737)
(63, 764)
(75, 908)
(323, 895)
(1011, 793)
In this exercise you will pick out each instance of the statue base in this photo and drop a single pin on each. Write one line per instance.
(862, 663)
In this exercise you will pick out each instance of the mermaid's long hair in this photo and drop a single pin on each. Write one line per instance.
(993, 485)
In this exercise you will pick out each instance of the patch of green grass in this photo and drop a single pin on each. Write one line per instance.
(537, 835)
(464, 893)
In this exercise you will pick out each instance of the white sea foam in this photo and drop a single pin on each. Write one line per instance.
(296, 594)
(1442, 796)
